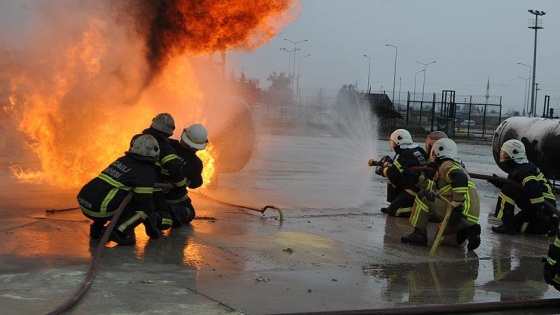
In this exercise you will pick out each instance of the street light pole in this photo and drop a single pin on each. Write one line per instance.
(414, 95)
(536, 27)
(289, 60)
(526, 94)
(295, 50)
(395, 71)
(527, 87)
(368, 73)
(298, 75)
(424, 81)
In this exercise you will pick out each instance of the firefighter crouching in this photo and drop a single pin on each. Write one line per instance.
(453, 183)
(100, 197)
(171, 171)
(193, 138)
(533, 217)
(408, 154)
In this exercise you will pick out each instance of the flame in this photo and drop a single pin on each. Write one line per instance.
(80, 92)
(208, 172)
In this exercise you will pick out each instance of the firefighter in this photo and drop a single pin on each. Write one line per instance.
(533, 217)
(193, 139)
(407, 154)
(551, 269)
(100, 197)
(432, 138)
(453, 183)
(171, 170)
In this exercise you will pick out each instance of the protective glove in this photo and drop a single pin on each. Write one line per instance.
(430, 195)
(455, 217)
(386, 160)
(379, 170)
(411, 179)
(551, 268)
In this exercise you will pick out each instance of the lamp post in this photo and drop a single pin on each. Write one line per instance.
(526, 87)
(289, 59)
(424, 81)
(298, 75)
(395, 71)
(536, 27)
(414, 95)
(526, 94)
(295, 50)
(368, 73)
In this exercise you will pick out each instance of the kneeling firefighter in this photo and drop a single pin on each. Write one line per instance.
(453, 183)
(533, 217)
(100, 197)
(193, 139)
(408, 154)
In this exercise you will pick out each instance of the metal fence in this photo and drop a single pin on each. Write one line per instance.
(459, 116)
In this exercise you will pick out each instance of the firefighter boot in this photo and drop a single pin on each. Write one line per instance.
(473, 237)
(552, 224)
(151, 225)
(418, 237)
(96, 229)
(508, 224)
(122, 239)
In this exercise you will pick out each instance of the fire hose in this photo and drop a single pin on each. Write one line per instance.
(262, 210)
(489, 178)
(93, 267)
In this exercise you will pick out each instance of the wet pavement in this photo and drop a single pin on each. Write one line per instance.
(334, 251)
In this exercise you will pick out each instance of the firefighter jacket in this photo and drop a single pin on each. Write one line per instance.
(168, 160)
(191, 163)
(408, 157)
(192, 167)
(101, 196)
(533, 180)
(454, 183)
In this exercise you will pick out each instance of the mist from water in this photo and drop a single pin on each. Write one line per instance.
(320, 165)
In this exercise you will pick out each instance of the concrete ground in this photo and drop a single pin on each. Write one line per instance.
(334, 251)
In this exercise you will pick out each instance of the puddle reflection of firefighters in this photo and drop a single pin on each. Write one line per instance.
(453, 183)
(433, 283)
(193, 139)
(407, 154)
(533, 217)
(100, 197)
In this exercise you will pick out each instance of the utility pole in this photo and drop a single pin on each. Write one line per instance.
(536, 27)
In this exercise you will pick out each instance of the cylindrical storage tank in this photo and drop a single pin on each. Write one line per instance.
(232, 132)
(541, 137)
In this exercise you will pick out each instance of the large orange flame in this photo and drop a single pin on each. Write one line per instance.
(79, 92)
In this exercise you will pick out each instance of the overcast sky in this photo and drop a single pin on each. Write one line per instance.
(471, 41)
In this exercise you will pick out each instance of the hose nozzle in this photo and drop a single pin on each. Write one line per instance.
(372, 162)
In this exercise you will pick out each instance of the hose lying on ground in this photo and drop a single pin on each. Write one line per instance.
(93, 267)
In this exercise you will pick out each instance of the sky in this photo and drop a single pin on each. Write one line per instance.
(472, 42)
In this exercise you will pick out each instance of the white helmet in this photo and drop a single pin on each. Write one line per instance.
(432, 138)
(512, 150)
(146, 145)
(163, 122)
(195, 136)
(400, 137)
(444, 148)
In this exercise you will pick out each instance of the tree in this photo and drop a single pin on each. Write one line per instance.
(246, 88)
(347, 95)
(279, 92)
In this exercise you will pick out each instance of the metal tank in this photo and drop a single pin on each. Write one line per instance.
(232, 132)
(541, 137)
